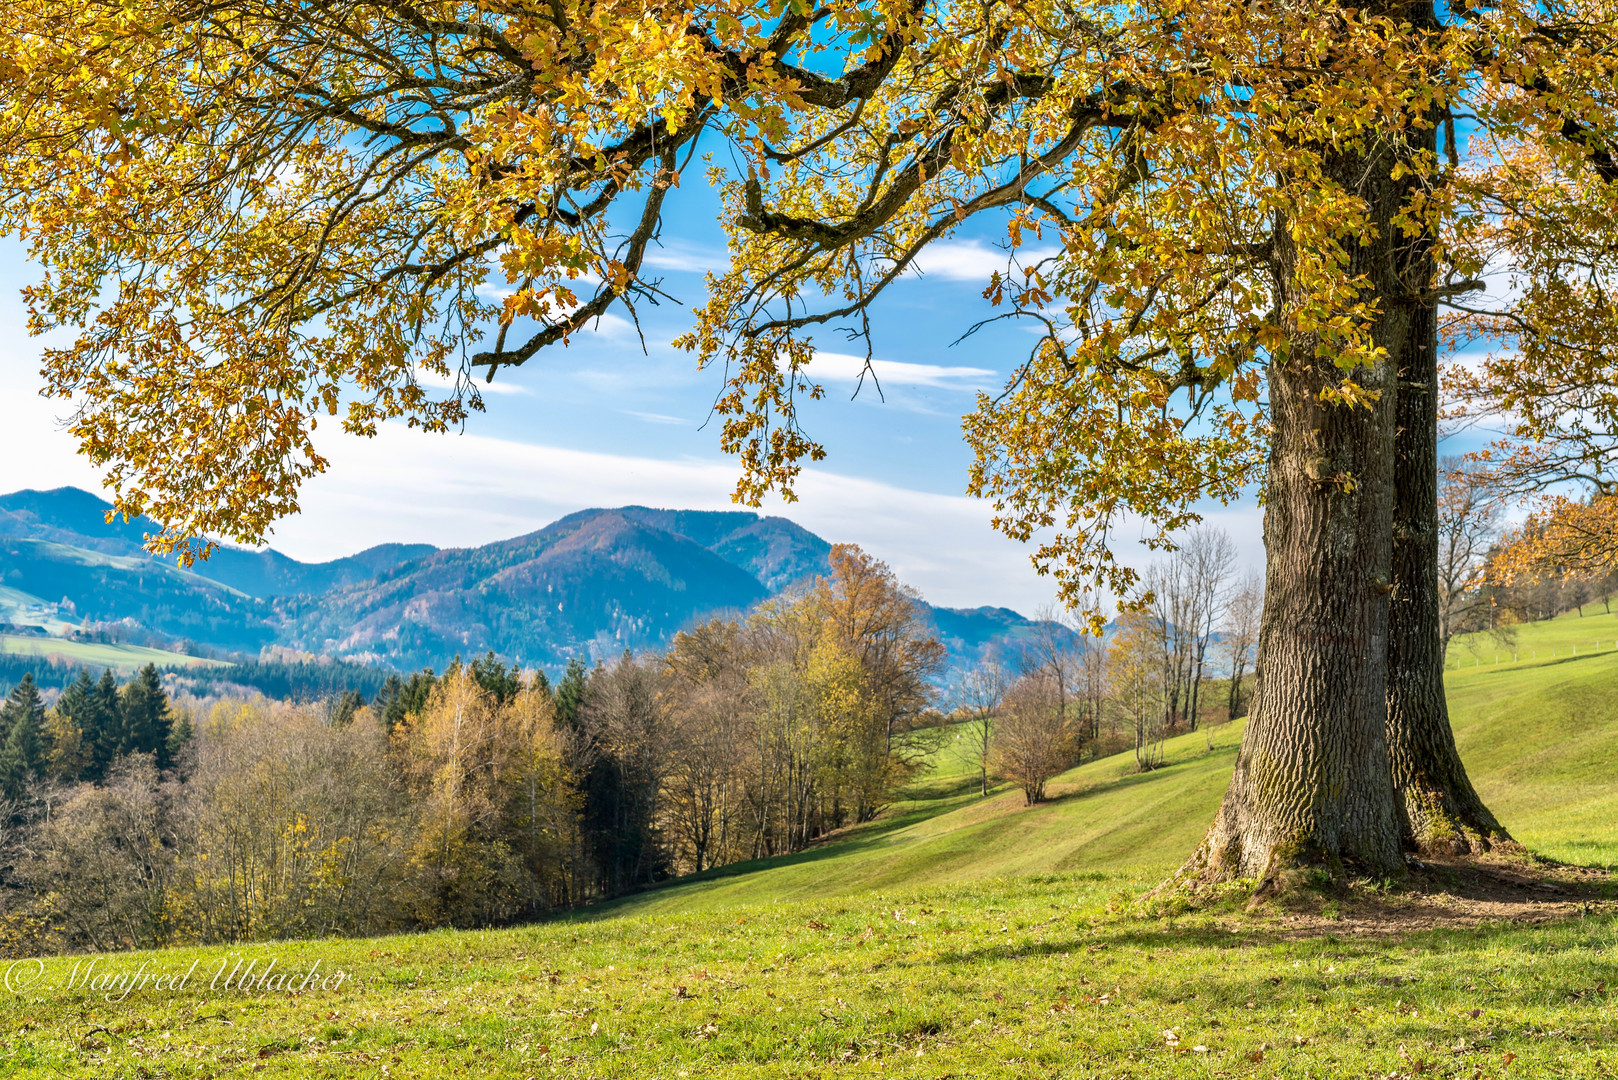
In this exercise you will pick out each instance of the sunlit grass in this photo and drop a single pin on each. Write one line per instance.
(1028, 977)
(96, 655)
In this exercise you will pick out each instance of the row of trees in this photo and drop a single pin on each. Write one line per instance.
(93, 724)
(475, 797)
(1494, 572)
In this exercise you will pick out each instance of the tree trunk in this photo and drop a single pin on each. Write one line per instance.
(1441, 811)
(1312, 787)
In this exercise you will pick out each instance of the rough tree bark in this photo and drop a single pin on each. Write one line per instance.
(1313, 787)
(1441, 811)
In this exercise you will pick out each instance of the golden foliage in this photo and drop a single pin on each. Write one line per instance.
(254, 215)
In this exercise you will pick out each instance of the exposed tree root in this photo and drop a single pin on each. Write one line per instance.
(1503, 883)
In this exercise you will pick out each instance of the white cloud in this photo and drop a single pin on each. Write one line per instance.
(844, 367)
(656, 418)
(464, 490)
(35, 450)
(971, 260)
(487, 389)
(685, 258)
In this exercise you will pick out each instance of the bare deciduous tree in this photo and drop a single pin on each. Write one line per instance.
(1137, 680)
(1033, 740)
(1187, 591)
(979, 693)
(1239, 631)
(1470, 517)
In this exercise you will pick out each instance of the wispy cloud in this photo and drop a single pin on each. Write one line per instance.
(686, 258)
(656, 418)
(972, 260)
(844, 367)
(498, 388)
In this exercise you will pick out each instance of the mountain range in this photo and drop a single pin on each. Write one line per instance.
(590, 584)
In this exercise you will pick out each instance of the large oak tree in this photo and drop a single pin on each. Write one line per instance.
(1237, 226)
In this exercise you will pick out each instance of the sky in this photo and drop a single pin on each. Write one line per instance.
(605, 423)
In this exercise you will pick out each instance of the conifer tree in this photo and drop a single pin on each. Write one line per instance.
(495, 678)
(382, 704)
(71, 750)
(103, 726)
(400, 698)
(344, 708)
(180, 734)
(22, 756)
(147, 723)
(570, 693)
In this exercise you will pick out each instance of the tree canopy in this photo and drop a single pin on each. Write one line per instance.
(257, 214)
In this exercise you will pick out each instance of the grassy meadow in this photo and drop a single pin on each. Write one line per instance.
(956, 937)
(95, 655)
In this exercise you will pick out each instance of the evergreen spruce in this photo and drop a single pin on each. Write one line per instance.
(147, 723)
(22, 755)
(495, 678)
(103, 726)
(570, 692)
(342, 710)
(400, 698)
(73, 710)
(180, 734)
(382, 704)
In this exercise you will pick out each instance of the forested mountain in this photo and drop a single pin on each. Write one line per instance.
(591, 584)
(64, 587)
(76, 518)
(599, 582)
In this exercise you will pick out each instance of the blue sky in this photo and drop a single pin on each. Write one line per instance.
(601, 423)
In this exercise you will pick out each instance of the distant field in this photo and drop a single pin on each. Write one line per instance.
(124, 658)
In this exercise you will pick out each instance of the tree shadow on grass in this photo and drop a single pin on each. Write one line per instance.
(1136, 779)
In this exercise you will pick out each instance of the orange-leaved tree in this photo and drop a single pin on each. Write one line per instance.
(1248, 217)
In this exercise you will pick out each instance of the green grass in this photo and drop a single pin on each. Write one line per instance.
(1102, 815)
(958, 936)
(1540, 736)
(1030, 977)
(124, 658)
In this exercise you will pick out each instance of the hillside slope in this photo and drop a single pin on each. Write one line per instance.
(1540, 737)
(76, 583)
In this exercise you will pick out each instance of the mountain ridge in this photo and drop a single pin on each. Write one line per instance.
(67, 515)
(590, 584)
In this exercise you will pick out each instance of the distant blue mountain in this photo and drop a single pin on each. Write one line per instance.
(590, 584)
(76, 518)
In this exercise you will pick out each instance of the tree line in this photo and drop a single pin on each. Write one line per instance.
(479, 796)
(1495, 573)
(277, 674)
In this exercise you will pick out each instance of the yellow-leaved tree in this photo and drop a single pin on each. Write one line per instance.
(255, 214)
